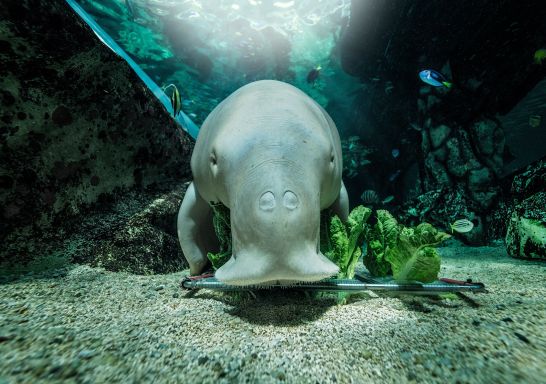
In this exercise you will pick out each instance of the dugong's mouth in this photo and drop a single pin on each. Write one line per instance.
(253, 268)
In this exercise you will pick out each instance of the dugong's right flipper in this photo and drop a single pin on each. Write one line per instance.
(195, 230)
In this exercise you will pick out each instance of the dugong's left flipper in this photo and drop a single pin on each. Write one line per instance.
(340, 207)
(195, 230)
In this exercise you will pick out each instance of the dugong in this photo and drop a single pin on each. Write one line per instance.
(272, 155)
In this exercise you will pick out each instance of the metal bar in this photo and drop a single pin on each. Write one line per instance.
(337, 285)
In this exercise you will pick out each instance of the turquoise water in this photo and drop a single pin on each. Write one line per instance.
(403, 136)
(209, 49)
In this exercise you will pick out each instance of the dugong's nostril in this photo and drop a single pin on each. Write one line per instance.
(290, 200)
(267, 201)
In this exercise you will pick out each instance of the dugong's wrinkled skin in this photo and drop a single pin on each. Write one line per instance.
(273, 156)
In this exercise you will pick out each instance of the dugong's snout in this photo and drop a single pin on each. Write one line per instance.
(276, 239)
(249, 268)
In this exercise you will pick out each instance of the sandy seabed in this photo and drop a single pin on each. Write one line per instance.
(87, 325)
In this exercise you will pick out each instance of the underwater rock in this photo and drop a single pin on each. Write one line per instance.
(497, 219)
(479, 178)
(526, 234)
(460, 158)
(432, 101)
(455, 162)
(438, 135)
(147, 242)
(467, 151)
(440, 154)
(489, 140)
(61, 116)
(484, 199)
(421, 106)
(73, 113)
(425, 141)
(526, 219)
(530, 181)
(437, 170)
(441, 207)
(495, 164)
(480, 187)
(483, 132)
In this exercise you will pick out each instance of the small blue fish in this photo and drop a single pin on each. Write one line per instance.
(395, 153)
(434, 78)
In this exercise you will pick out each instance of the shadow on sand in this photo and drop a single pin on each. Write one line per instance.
(281, 307)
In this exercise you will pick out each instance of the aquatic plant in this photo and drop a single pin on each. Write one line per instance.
(343, 243)
(408, 253)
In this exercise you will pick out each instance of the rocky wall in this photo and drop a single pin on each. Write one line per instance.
(77, 128)
(526, 233)
(452, 136)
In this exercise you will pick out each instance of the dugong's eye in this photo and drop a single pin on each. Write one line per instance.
(332, 157)
(213, 164)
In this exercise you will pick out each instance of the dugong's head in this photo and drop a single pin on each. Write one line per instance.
(276, 174)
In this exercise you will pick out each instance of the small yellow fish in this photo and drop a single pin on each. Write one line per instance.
(462, 226)
(534, 120)
(176, 100)
(540, 55)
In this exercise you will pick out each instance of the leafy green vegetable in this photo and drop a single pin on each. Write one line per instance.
(422, 265)
(413, 257)
(343, 243)
(381, 238)
(222, 228)
(218, 259)
(407, 253)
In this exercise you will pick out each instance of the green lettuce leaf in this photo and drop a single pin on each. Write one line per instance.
(414, 258)
(381, 238)
(342, 246)
(339, 242)
(218, 259)
(422, 266)
(222, 227)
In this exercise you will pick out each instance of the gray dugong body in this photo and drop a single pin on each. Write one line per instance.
(273, 156)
